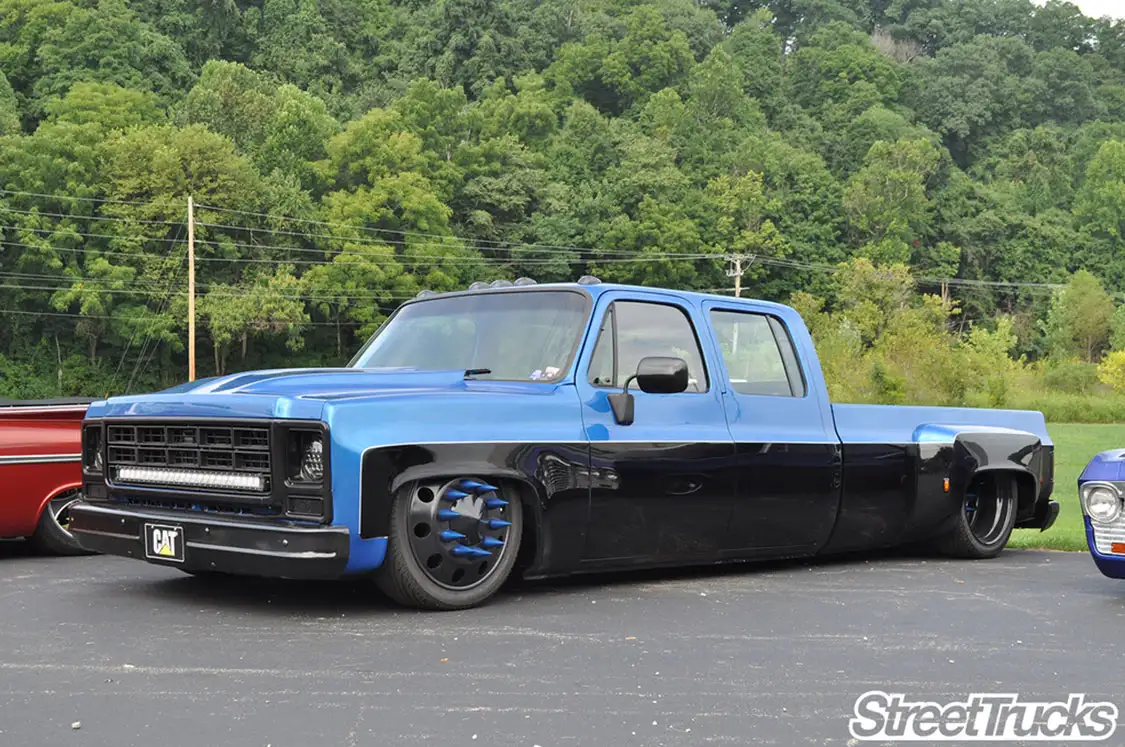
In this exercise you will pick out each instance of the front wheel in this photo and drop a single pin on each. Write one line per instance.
(53, 535)
(986, 518)
(453, 543)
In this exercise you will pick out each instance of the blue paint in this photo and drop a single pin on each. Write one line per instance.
(1109, 466)
(454, 495)
(371, 408)
(447, 514)
(495, 503)
(450, 536)
(491, 542)
(497, 523)
(460, 551)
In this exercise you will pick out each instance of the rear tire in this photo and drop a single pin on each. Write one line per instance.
(985, 520)
(52, 536)
(422, 569)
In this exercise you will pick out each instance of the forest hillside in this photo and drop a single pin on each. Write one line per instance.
(938, 185)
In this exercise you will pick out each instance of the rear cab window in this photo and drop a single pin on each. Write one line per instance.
(758, 353)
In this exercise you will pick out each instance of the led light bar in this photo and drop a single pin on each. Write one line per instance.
(191, 478)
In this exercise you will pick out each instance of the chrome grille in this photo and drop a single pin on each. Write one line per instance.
(1105, 535)
(206, 449)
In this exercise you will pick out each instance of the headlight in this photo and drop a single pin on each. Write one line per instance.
(312, 463)
(306, 456)
(1101, 502)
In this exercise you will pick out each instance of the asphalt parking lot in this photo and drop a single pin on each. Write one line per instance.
(777, 654)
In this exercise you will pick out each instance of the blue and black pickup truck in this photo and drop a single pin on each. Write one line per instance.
(548, 430)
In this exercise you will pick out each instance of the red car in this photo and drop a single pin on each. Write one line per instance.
(41, 471)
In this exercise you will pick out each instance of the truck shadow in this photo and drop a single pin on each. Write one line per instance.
(16, 548)
(361, 596)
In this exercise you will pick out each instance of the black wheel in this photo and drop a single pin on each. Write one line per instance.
(986, 519)
(53, 535)
(453, 543)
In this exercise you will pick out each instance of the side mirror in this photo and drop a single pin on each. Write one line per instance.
(655, 375)
(662, 375)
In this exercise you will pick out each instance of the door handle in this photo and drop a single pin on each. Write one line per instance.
(683, 486)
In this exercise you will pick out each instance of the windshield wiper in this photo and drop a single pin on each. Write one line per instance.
(470, 372)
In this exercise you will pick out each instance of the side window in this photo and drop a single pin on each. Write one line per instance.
(632, 330)
(758, 353)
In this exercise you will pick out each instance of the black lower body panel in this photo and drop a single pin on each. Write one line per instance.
(250, 548)
(1046, 511)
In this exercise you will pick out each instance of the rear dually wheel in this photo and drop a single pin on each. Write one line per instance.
(986, 518)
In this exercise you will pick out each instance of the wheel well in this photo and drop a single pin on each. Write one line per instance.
(1025, 488)
(64, 490)
(529, 541)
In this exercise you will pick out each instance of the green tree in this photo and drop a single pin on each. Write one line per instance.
(886, 201)
(1079, 320)
(107, 44)
(9, 108)
(1100, 202)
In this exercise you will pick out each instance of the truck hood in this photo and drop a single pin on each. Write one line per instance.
(300, 393)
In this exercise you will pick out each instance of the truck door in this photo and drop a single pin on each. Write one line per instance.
(663, 487)
(788, 455)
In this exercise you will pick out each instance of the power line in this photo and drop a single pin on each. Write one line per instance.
(393, 231)
(75, 198)
(388, 261)
(602, 256)
(152, 320)
(599, 257)
(149, 333)
(5, 209)
(116, 237)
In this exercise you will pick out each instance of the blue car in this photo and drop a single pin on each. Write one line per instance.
(1100, 490)
(547, 430)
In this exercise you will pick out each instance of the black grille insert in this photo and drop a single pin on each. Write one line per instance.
(206, 448)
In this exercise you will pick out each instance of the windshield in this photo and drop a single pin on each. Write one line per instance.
(517, 336)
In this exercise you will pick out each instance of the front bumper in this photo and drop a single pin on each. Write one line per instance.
(1112, 566)
(250, 548)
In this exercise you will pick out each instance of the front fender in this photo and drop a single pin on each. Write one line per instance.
(553, 477)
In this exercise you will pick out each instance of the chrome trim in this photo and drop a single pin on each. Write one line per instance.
(306, 555)
(1089, 487)
(40, 459)
(1106, 535)
(36, 409)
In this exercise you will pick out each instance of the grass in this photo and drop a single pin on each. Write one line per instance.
(1075, 445)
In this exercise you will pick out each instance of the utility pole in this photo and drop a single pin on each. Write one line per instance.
(191, 287)
(736, 270)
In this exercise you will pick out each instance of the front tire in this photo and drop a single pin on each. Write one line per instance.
(453, 543)
(53, 536)
(985, 520)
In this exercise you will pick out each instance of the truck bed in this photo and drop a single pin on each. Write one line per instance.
(905, 424)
